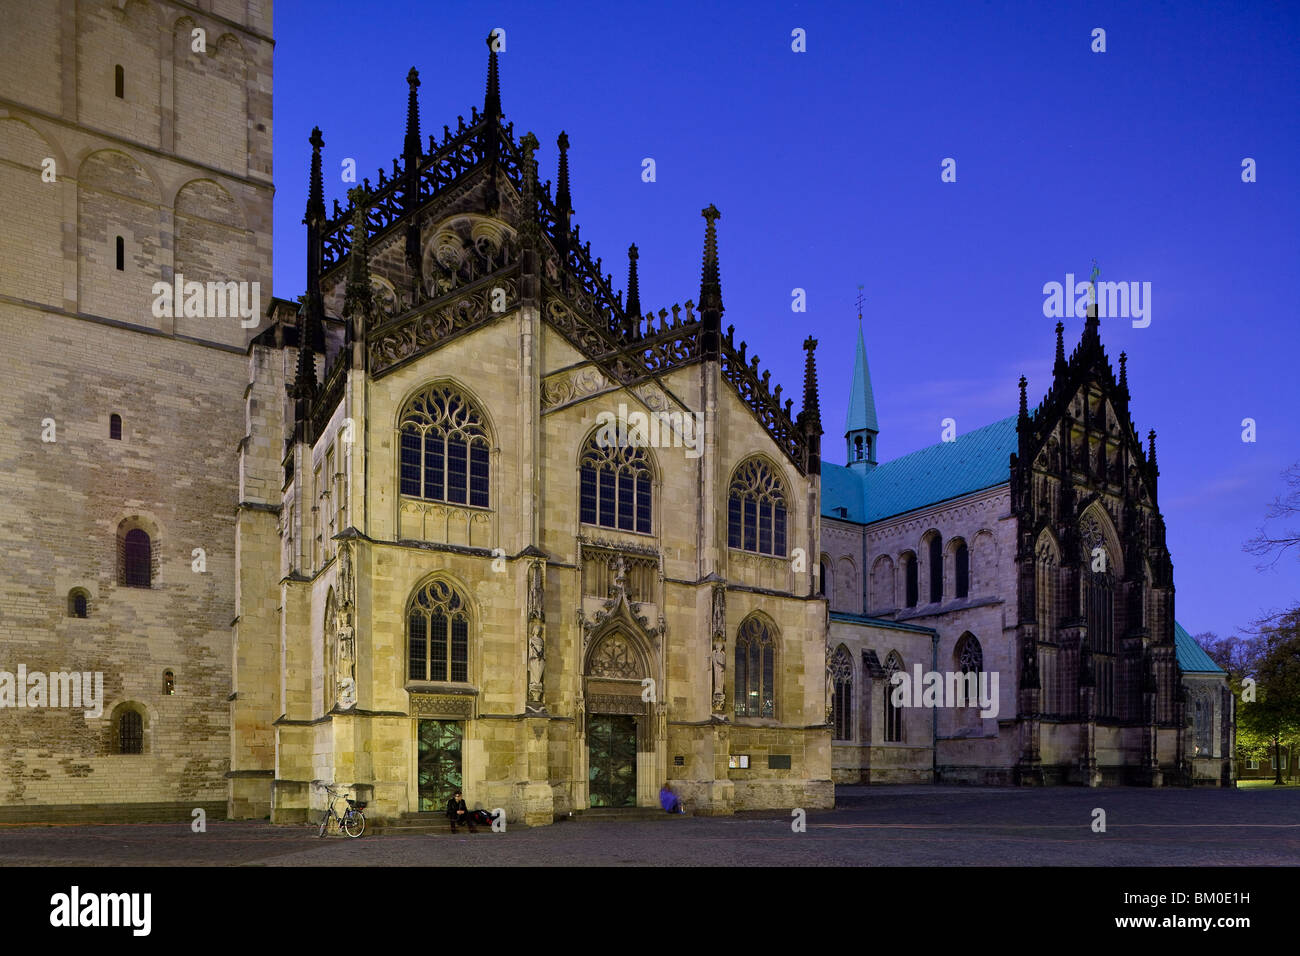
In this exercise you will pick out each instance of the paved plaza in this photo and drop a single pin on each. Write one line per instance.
(871, 826)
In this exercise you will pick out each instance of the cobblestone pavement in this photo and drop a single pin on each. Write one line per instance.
(900, 826)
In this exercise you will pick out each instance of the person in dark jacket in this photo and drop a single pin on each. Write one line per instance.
(458, 815)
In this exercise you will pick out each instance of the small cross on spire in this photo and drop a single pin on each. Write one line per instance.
(860, 301)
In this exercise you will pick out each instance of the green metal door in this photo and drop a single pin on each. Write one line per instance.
(439, 762)
(611, 742)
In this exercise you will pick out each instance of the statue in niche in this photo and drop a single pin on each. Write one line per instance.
(830, 684)
(536, 662)
(719, 675)
(345, 664)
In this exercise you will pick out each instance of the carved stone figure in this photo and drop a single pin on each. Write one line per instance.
(830, 684)
(536, 662)
(719, 676)
(719, 612)
(345, 664)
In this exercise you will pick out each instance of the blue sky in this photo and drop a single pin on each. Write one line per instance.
(826, 168)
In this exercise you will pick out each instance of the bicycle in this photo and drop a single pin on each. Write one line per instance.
(353, 820)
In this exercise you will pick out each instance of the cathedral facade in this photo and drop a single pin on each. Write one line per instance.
(463, 517)
(500, 531)
(1024, 565)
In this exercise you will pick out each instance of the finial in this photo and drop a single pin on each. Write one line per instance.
(1151, 453)
(1060, 349)
(492, 100)
(1024, 400)
(633, 307)
(563, 201)
(411, 145)
(860, 287)
(710, 279)
(316, 185)
(1123, 372)
(812, 414)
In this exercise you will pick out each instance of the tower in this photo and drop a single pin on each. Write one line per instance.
(135, 174)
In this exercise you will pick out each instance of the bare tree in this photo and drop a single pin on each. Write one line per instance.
(1287, 508)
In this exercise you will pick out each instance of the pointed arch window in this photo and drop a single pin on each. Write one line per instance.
(437, 634)
(615, 483)
(969, 658)
(893, 712)
(842, 697)
(445, 448)
(756, 510)
(115, 426)
(755, 689)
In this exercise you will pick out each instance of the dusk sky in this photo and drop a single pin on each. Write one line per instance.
(825, 165)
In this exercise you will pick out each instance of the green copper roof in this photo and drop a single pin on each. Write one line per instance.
(975, 460)
(978, 459)
(862, 403)
(1191, 656)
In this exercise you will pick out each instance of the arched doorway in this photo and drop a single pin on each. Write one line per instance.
(619, 738)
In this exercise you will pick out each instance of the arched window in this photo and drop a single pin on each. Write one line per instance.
(893, 713)
(115, 426)
(823, 577)
(756, 509)
(169, 683)
(444, 448)
(437, 634)
(1047, 616)
(909, 579)
(857, 448)
(119, 82)
(121, 254)
(130, 732)
(615, 483)
(1202, 713)
(78, 601)
(137, 559)
(961, 563)
(1099, 610)
(842, 699)
(968, 657)
(936, 569)
(755, 669)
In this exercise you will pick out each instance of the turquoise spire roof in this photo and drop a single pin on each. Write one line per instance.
(862, 403)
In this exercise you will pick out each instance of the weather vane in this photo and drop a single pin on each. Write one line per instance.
(860, 302)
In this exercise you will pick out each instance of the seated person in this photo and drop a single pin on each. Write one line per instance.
(668, 800)
(457, 815)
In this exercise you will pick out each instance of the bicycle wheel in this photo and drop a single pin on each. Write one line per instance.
(353, 823)
(324, 824)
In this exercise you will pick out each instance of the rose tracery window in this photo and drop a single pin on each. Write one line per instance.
(615, 485)
(755, 670)
(756, 510)
(445, 448)
(437, 629)
(613, 657)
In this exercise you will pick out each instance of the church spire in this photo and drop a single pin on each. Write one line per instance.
(311, 317)
(315, 184)
(632, 311)
(860, 425)
(492, 99)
